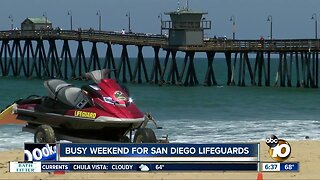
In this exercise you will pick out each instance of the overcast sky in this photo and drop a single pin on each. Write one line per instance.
(291, 18)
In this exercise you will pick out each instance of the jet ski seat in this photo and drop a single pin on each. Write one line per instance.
(66, 93)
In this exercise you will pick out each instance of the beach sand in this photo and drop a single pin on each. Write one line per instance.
(306, 152)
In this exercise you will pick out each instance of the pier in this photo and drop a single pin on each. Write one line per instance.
(34, 53)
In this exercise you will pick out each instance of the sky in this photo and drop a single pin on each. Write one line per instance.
(291, 18)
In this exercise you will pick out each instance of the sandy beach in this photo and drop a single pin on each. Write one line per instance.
(306, 152)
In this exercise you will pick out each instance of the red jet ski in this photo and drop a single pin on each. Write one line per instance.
(99, 111)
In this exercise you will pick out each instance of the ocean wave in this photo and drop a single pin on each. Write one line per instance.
(200, 131)
(242, 131)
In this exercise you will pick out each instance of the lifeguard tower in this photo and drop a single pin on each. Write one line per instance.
(186, 27)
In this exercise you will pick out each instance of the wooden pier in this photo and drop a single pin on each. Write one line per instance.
(35, 53)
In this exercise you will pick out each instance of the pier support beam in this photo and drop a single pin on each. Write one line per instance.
(289, 72)
(303, 67)
(210, 78)
(2, 66)
(10, 61)
(282, 75)
(94, 58)
(17, 52)
(5, 51)
(66, 57)
(137, 69)
(109, 62)
(297, 69)
(308, 66)
(268, 69)
(80, 58)
(317, 70)
(162, 81)
(191, 77)
(124, 62)
(233, 69)
(173, 72)
(39, 61)
(230, 80)
(55, 60)
(313, 69)
(241, 71)
(246, 57)
(242, 68)
(27, 51)
(156, 68)
(260, 67)
(243, 62)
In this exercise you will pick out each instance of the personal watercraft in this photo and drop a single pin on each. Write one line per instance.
(102, 110)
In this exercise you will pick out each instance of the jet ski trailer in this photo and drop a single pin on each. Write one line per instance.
(46, 134)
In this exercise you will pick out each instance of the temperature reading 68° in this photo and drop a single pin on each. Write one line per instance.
(288, 166)
(159, 167)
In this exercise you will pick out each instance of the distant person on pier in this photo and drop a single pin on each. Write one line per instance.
(261, 41)
(166, 34)
(215, 39)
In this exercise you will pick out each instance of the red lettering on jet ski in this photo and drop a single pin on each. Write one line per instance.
(84, 114)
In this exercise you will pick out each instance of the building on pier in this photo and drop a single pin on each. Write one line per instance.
(186, 27)
(30, 24)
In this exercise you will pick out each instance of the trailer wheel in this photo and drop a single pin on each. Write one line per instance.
(44, 134)
(144, 135)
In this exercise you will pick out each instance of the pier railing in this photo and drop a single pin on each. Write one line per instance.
(278, 45)
(147, 39)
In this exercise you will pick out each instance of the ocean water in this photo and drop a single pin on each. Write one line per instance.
(199, 114)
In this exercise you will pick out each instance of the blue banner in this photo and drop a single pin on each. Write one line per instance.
(93, 167)
(159, 152)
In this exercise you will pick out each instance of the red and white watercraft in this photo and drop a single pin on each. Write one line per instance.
(101, 110)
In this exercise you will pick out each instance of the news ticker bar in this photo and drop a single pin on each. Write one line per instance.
(274, 167)
(30, 167)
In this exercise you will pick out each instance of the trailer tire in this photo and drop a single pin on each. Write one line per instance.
(144, 135)
(44, 134)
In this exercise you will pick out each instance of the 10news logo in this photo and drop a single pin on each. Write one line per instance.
(279, 149)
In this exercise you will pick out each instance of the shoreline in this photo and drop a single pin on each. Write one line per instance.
(306, 152)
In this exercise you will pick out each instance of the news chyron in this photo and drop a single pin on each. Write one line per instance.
(40, 152)
(279, 149)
